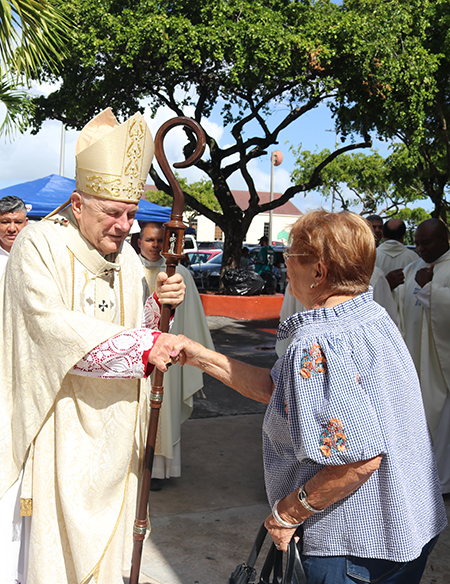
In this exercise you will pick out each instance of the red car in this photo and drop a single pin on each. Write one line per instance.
(202, 256)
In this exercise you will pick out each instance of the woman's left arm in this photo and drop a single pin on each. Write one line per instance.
(330, 484)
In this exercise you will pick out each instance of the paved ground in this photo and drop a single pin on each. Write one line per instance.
(204, 523)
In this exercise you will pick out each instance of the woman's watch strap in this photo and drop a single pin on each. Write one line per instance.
(302, 498)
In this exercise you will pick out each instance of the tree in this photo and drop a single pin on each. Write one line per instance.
(19, 107)
(394, 82)
(263, 63)
(202, 191)
(32, 32)
(369, 182)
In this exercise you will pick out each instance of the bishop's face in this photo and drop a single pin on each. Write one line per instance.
(104, 223)
(151, 242)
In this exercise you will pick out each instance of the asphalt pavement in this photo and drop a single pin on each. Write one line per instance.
(204, 522)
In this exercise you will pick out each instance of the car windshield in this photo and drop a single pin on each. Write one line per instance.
(198, 257)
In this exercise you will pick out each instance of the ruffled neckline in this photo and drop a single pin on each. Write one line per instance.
(354, 312)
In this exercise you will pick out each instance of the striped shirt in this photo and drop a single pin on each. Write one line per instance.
(346, 390)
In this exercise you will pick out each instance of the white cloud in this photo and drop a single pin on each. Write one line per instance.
(30, 157)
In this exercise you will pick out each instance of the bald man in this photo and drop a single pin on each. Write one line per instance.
(424, 303)
(393, 256)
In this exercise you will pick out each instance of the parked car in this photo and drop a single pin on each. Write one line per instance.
(207, 274)
(202, 256)
(190, 243)
(210, 244)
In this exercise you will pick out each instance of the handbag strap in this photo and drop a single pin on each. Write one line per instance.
(257, 546)
(274, 562)
(294, 566)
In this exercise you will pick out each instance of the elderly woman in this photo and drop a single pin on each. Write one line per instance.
(346, 447)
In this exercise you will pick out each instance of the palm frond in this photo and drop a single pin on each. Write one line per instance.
(19, 108)
(31, 32)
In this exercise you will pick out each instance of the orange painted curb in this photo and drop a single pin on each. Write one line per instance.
(243, 307)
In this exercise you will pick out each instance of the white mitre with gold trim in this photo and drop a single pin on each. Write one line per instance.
(113, 160)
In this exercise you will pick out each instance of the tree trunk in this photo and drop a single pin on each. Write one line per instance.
(234, 238)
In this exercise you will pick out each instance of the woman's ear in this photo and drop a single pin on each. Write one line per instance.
(321, 273)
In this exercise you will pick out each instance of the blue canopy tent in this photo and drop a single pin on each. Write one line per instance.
(46, 194)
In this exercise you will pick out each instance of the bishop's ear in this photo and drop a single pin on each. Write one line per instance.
(77, 202)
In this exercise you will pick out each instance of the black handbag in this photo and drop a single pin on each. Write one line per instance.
(272, 570)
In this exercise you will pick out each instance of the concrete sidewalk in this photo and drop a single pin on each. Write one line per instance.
(204, 523)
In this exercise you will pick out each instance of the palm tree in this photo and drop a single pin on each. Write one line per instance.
(32, 33)
(19, 108)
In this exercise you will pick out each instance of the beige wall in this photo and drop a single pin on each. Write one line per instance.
(281, 224)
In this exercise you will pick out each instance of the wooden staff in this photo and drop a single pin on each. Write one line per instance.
(172, 252)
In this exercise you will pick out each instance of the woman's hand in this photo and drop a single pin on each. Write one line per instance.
(290, 510)
(281, 536)
(170, 290)
(162, 353)
(189, 352)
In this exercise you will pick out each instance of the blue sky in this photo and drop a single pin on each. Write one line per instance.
(30, 157)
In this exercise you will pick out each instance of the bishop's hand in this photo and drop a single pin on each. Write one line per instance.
(170, 290)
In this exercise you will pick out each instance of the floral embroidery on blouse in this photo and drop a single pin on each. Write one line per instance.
(313, 362)
(333, 438)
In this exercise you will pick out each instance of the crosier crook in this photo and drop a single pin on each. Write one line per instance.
(172, 252)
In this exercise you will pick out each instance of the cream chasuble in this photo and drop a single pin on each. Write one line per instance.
(425, 325)
(180, 383)
(60, 300)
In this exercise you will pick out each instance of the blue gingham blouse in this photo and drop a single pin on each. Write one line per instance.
(346, 390)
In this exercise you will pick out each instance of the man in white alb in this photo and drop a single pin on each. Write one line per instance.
(180, 383)
(425, 324)
(393, 256)
(75, 345)
(13, 218)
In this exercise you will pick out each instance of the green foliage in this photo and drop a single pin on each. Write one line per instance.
(369, 182)
(32, 32)
(394, 81)
(19, 108)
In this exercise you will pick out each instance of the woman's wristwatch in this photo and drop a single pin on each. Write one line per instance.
(302, 498)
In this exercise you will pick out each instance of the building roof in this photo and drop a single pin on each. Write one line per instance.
(242, 198)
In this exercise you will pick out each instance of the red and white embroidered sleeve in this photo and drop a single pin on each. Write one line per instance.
(152, 313)
(124, 356)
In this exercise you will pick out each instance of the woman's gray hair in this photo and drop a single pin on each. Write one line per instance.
(12, 205)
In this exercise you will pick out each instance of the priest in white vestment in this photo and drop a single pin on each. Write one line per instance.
(425, 325)
(13, 218)
(393, 256)
(76, 345)
(180, 383)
